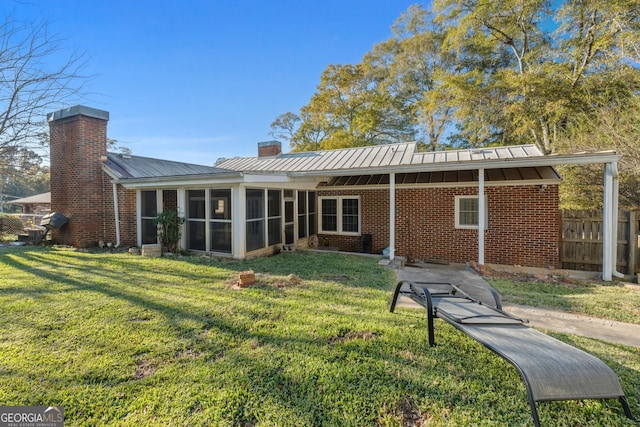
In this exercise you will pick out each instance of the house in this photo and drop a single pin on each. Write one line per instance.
(420, 205)
(38, 204)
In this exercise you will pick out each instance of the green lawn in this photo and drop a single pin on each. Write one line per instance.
(123, 340)
(606, 300)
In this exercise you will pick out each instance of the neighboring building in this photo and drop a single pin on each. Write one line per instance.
(39, 204)
(420, 205)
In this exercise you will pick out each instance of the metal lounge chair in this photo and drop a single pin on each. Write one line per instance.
(550, 369)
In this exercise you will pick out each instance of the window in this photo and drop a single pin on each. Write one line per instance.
(329, 215)
(148, 210)
(467, 212)
(255, 219)
(340, 215)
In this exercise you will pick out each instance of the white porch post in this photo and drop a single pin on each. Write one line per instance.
(481, 216)
(139, 218)
(614, 235)
(610, 221)
(392, 215)
(181, 203)
(238, 226)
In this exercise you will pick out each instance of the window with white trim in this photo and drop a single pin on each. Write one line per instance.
(340, 215)
(467, 212)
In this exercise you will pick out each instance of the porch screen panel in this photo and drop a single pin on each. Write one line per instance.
(220, 226)
(313, 215)
(302, 214)
(255, 219)
(148, 210)
(274, 211)
(196, 218)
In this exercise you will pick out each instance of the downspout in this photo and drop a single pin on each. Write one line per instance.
(481, 216)
(116, 213)
(392, 215)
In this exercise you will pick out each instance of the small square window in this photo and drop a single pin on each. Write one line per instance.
(467, 212)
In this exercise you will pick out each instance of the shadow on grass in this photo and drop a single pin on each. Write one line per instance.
(328, 353)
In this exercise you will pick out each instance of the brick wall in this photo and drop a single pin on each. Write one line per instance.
(374, 221)
(77, 143)
(523, 225)
(79, 188)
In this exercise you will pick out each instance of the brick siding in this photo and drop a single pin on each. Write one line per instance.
(81, 190)
(523, 225)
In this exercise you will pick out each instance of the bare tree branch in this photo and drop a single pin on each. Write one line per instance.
(37, 75)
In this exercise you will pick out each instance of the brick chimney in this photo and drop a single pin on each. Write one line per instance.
(78, 138)
(269, 148)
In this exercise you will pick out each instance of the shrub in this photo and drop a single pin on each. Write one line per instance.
(169, 225)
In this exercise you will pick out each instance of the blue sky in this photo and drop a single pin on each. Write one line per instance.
(197, 80)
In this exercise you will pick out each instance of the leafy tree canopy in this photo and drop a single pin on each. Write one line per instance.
(476, 73)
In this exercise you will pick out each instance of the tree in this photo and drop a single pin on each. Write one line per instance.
(411, 65)
(36, 76)
(520, 82)
(474, 73)
(348, 110)
(616, 127)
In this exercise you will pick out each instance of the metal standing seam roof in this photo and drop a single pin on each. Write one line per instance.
(136, 167)
(403, 154)
(372, 160)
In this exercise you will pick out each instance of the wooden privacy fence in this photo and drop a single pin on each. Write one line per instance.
(581, 240)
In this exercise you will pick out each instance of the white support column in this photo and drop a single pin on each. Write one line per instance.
(392, 215)
(614, 235)
(610, 222)
(139, 218)
(607, 224)
(181, 203)
(482, 220)
(239, 221)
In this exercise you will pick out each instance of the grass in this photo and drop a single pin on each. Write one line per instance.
(606, 300)
(124, 340)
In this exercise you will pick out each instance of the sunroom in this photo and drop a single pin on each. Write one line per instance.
(237, 221)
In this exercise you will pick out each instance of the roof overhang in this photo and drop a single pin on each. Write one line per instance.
(550, 160)
(206, 180)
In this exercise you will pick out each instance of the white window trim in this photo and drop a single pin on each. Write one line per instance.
(457, 213)
(339, 214)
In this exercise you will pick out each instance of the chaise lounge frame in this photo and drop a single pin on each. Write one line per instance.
(550, 369)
